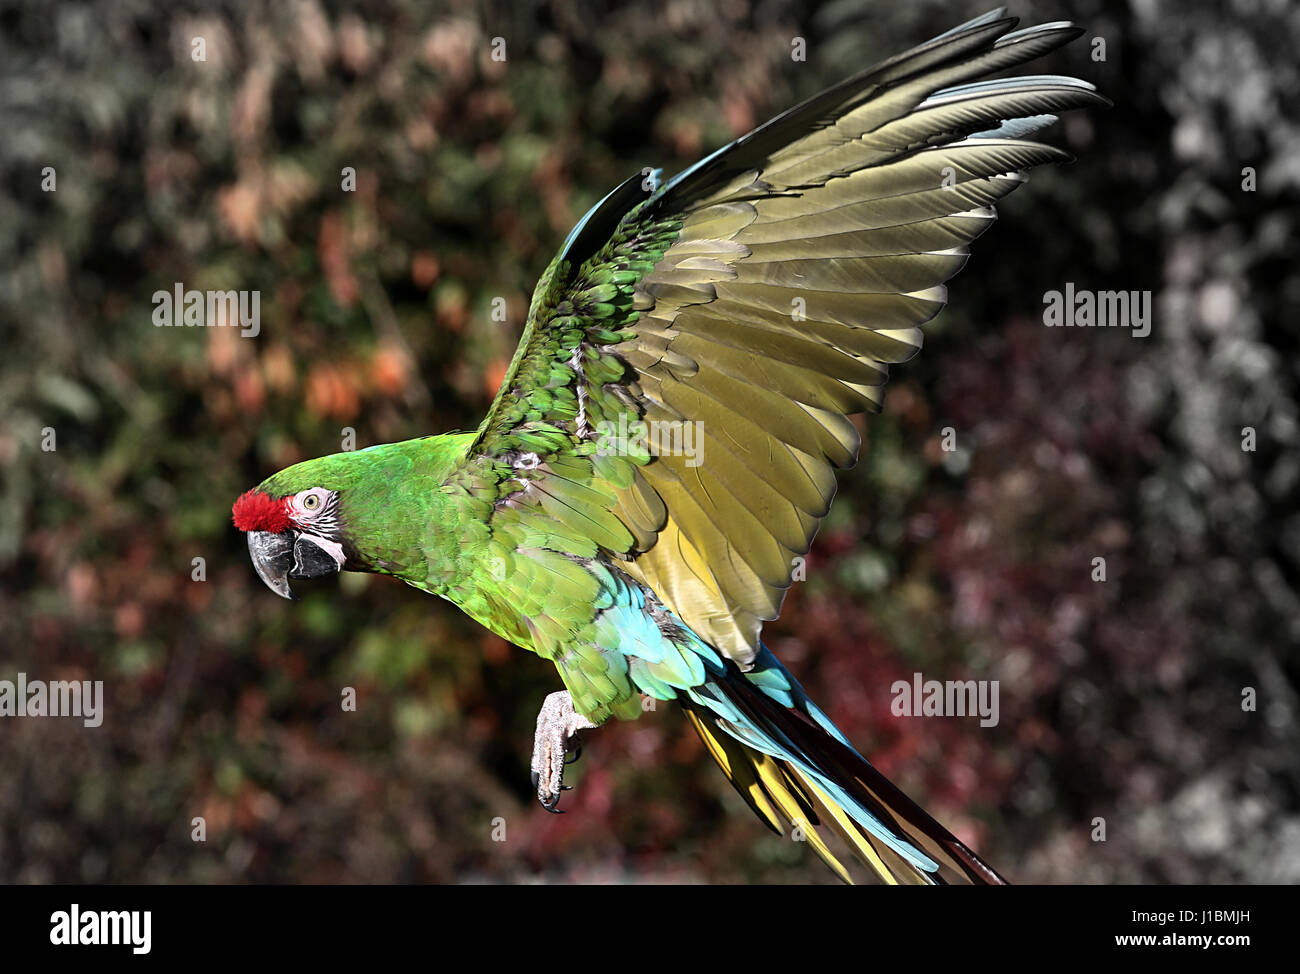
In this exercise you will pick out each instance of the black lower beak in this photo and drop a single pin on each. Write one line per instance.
(280, 557)
(310, 560)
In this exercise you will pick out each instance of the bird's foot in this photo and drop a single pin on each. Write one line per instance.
(554, 746)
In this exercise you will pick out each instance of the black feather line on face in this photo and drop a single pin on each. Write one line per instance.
(324, 521)
(328, 523)
(329, 519)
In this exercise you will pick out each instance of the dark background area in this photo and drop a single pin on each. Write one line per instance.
(1120, 700)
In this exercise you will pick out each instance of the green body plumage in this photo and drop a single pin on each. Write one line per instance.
(759, 297)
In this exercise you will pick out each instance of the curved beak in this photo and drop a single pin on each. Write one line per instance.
(280, 557)
(272, 556)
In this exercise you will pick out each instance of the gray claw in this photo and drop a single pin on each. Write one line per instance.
(555, 745)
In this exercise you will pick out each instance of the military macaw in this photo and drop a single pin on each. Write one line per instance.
(753, 301)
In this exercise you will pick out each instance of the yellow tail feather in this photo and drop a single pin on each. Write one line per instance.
(783, 796)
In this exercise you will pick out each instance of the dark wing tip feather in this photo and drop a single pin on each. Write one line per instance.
(598, 225)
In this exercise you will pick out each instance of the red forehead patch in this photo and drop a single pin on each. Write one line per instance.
(255, 511)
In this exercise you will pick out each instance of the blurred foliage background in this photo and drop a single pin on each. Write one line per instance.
(1120, 700)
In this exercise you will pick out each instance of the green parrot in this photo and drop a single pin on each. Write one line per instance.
(664, 443)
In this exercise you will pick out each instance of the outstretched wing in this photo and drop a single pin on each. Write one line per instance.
(743, 310)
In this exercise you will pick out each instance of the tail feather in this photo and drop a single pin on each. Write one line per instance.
(765, 784)
(793, 771)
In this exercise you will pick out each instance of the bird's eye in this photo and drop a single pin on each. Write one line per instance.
(311, 502)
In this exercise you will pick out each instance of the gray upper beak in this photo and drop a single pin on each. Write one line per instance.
(272, 556)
